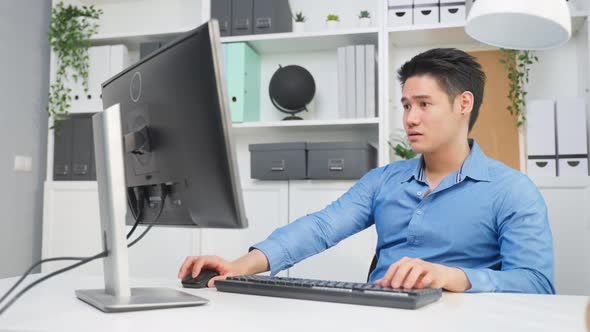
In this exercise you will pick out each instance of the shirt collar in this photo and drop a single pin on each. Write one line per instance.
(475, 166)
(416, 170)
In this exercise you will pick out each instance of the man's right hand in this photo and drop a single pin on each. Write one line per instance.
(194, 264)
(253, 262)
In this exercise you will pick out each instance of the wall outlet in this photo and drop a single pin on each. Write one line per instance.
(23, 164)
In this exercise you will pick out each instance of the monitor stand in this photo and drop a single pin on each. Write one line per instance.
(110, 174)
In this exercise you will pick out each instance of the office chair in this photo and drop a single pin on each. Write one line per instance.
(372, 267)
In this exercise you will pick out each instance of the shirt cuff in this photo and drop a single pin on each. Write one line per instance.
(479, 279)
(275, 254)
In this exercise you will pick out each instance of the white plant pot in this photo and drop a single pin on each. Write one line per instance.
(364, 22)
(298, 26)
(332, 25)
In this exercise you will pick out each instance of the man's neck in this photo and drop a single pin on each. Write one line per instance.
(446, 160)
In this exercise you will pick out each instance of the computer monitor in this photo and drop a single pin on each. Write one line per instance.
(177, 130)
(165, 126)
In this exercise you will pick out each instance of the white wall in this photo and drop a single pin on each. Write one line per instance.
(24, 68)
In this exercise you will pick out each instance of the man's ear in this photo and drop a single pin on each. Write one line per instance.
(465, 101)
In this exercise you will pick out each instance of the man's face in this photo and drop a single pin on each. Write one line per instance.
(430, 119)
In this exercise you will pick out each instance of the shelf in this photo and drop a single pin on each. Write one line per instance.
(306, 41)
(307, 124)
(264, 44)
(132, 40)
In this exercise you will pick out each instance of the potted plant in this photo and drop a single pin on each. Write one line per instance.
(332, 21)
(364, 19)
(402, 147)
(69, 37)
(517, 64)
(299, 24)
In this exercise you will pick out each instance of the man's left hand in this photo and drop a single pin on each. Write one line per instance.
(416, 273)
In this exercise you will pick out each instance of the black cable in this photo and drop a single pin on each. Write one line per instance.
(33, 267)
(22, 278)
(31, 285)
(141, 236)
(83, 260)
(163, 196)
(134, 217)
(136, 191)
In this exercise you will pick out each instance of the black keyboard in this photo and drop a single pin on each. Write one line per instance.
(329, 291)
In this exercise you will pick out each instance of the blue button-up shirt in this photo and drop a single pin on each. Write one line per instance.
(486, 219)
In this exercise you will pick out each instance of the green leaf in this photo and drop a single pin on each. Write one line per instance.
(69, 39)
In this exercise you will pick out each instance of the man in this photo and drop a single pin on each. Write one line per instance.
(452, 219)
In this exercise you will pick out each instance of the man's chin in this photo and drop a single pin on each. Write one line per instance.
(418, 148)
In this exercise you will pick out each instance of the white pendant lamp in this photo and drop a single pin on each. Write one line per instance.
(520, 24)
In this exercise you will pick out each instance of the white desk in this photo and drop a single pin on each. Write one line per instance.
(52, 306)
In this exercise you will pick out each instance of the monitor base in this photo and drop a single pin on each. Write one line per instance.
(140, 299)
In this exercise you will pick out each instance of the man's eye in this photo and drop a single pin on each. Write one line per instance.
(406, 107)
(424, 104)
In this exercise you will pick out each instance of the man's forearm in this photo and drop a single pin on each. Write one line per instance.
(253, 262)
(514, 281)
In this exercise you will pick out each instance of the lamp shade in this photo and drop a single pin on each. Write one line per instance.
(520, 24)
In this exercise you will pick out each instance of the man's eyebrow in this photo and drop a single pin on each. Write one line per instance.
(416, 97)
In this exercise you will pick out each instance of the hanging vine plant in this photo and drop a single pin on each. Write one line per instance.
(517, 64)
(70, 31)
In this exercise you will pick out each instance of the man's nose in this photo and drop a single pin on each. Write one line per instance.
(412, 117)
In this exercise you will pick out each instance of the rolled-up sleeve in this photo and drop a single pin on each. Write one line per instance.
(316, 232)
(526, 246)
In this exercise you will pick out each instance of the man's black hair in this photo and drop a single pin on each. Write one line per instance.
(455, 72)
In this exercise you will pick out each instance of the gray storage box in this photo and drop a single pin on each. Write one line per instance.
(340, 160)
(277, 161)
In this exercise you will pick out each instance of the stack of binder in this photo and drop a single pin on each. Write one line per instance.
(357, 73)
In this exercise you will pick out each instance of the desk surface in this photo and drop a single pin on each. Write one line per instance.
(52, 306)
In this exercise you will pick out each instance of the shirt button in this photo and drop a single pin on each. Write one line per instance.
(419, 193)
(419, 212)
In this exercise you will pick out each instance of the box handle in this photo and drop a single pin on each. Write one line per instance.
(336, 165)
(263, 23)
(242, 24)
(277, 166)
(573, 163)
(62, 170)
(541, 163)
(400, 14)
(453, 10)
(426, 12)
(80, 169)
(224, 26)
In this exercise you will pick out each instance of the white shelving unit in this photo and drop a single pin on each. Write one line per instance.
(306, 41)
(131, 22)
(340, 123)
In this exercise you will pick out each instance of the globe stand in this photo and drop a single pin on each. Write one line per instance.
(291, 112)
(292, 117)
